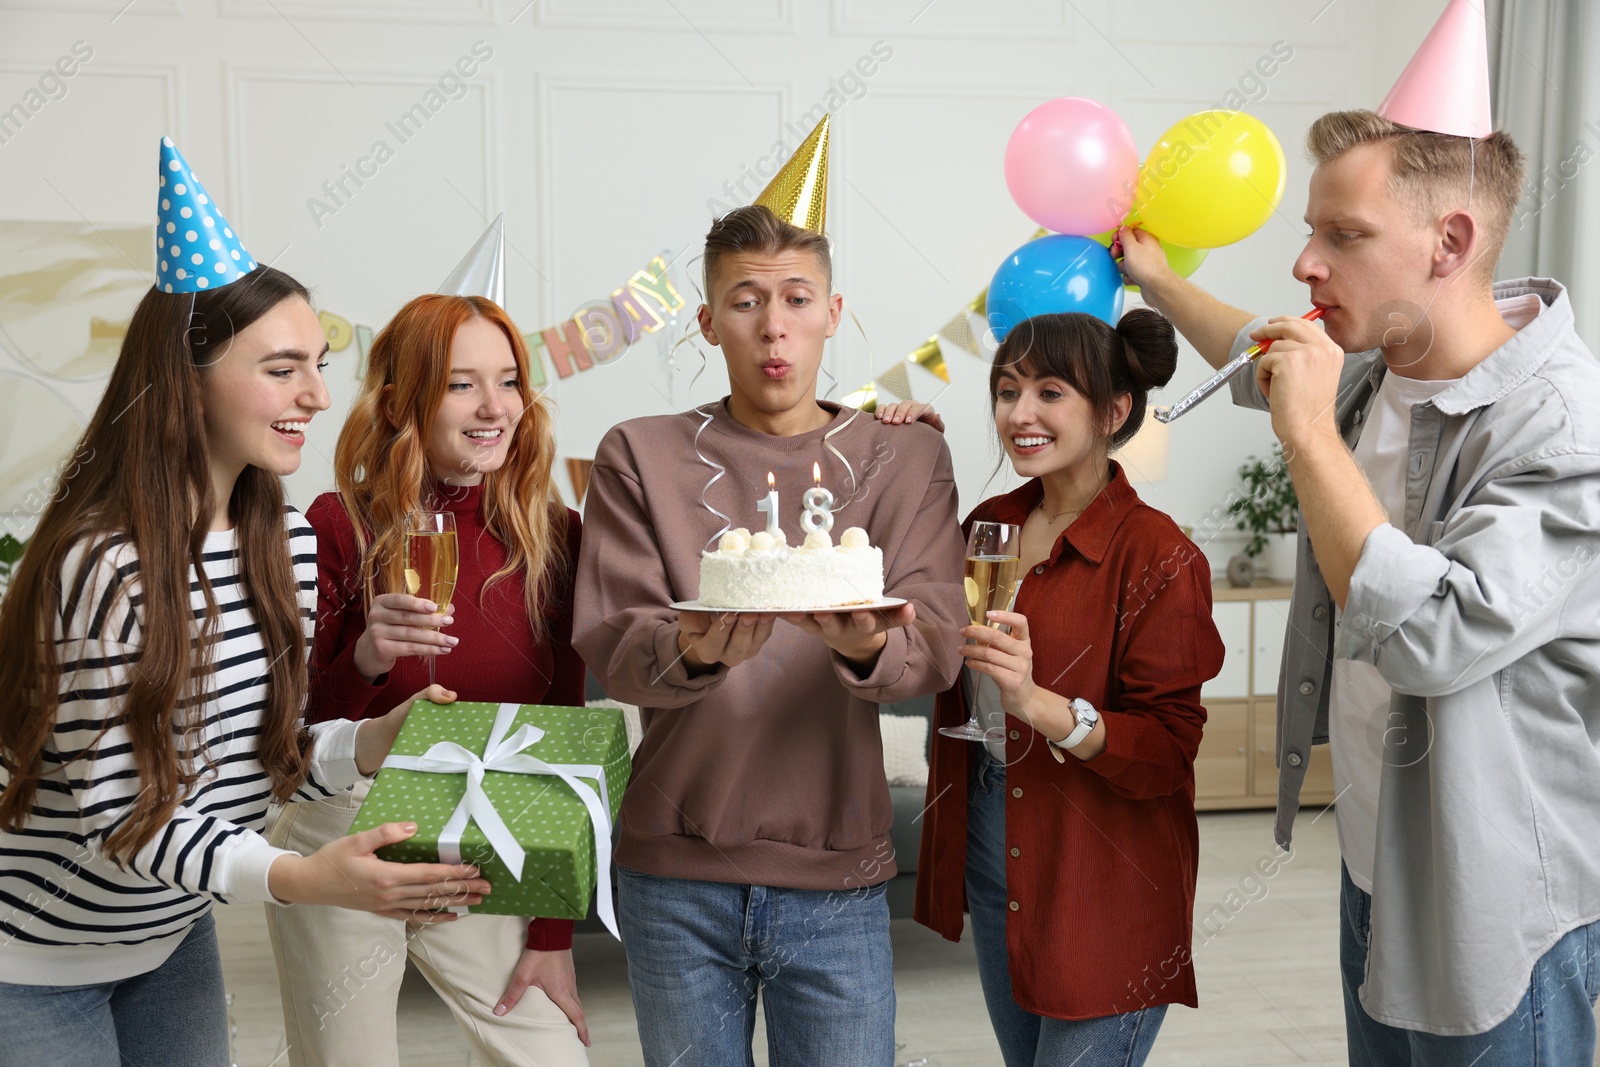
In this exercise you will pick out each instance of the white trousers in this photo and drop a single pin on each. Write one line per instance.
(339, 971)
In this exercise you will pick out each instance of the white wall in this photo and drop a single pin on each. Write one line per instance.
(602, 129)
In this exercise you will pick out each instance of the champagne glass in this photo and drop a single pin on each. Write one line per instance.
(431, 561)
(994, 559)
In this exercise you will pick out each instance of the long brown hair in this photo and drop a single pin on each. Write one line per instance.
(150, 481)
(382, 468)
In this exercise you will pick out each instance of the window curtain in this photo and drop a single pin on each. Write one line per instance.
(1544, 71)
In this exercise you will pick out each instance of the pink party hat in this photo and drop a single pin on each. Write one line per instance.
(1445, 87)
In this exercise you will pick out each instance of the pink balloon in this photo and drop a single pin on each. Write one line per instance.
(1071, 166)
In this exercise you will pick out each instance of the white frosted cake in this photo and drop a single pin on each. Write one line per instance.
(757, 571)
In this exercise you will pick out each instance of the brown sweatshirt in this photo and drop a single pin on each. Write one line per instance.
(771, 772)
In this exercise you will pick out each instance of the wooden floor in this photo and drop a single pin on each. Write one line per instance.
(1268, 977)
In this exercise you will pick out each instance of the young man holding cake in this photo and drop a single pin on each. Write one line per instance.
(755, 832)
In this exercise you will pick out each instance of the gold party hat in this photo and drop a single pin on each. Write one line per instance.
(798, 193)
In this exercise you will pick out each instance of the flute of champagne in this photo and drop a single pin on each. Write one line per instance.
(432, 559)
(994, 559)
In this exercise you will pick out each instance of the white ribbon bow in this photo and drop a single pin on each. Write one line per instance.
(502, 753)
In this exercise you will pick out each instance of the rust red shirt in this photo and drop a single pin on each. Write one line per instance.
(1100, 856)
(497, 660)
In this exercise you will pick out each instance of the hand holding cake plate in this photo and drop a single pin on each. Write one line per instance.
(707, 638)
(857, 635)
(882, 604)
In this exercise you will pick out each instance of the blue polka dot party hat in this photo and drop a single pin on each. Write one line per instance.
(195, 247)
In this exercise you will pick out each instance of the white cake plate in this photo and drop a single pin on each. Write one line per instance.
(695, 605)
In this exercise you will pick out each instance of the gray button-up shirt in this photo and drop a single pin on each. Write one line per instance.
(1480, 606)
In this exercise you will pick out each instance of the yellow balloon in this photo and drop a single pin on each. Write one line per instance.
(1211, 180)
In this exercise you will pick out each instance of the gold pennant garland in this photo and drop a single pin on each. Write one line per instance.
(895, 380)
(930, 357)
(958, 331)
(863, 399)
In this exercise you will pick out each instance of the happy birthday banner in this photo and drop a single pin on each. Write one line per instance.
(597, 333)
(600, 331)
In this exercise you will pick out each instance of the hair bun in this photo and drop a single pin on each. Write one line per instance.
(1150, 345)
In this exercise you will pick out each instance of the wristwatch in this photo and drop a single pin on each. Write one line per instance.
(1087, 718)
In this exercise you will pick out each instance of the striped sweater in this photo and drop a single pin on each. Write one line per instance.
(68, 914)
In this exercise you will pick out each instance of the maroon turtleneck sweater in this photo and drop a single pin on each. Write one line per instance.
(498, 660)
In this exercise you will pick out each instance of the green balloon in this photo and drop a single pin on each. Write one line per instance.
(1183, 261)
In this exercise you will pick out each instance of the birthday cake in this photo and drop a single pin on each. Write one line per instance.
(760, 572)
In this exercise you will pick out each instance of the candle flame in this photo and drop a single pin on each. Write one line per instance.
(772, 483)
(816, 473)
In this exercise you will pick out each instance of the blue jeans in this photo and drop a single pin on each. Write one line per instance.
(1553, 1026)
(699, 951)
(174, 1014)
(1026, 1039)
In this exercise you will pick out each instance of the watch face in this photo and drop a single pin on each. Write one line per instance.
(1086, 712)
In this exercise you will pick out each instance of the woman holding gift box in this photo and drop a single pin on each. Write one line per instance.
(1069, 833)
(445, 421)
(152, 660)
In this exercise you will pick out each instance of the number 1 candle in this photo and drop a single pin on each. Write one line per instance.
(769, 504)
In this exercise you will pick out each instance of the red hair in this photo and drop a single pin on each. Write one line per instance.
(381, 462)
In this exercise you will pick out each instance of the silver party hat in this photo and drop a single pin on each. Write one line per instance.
(483, 271)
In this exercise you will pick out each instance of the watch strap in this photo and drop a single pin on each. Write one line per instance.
(1079, 732)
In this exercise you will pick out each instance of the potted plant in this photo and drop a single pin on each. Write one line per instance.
(1269, 511)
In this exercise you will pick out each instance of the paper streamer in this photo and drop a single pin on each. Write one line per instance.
(865, 403)
(708, 411)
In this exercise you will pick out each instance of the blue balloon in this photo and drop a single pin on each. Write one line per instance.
(1056, 273)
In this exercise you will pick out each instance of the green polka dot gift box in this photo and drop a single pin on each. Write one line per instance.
(486, 781)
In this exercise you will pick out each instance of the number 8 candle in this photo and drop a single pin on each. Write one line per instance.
(819, 504)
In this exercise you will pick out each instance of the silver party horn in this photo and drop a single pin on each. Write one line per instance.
(1221, 378)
